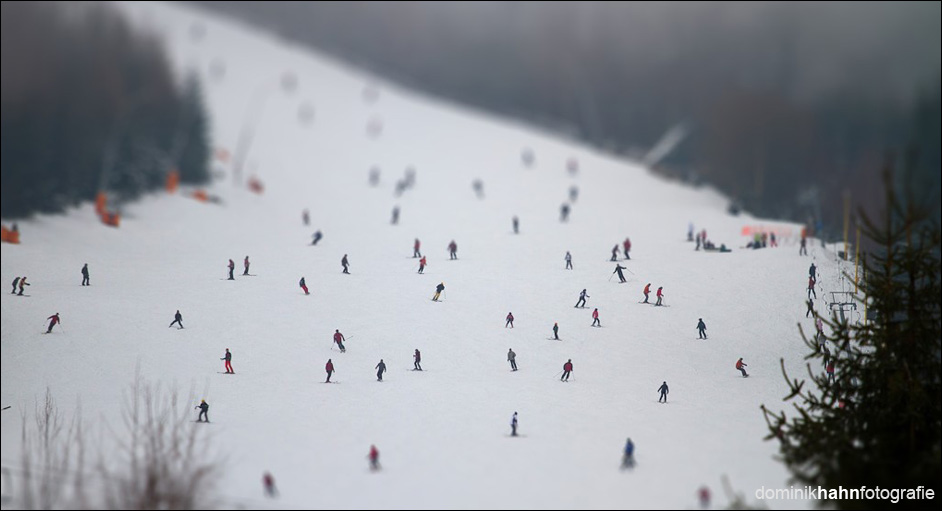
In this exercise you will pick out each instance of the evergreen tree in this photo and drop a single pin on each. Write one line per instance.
(878, 422)
(192, 148)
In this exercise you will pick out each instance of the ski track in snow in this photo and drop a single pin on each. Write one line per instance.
(443, 434)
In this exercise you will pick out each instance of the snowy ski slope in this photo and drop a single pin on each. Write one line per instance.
(443, 434)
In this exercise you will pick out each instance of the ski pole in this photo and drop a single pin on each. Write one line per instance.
(610, 276)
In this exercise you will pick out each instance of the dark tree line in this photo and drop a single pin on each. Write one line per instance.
(90, 105)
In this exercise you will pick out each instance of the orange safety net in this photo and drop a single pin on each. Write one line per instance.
(112, 219)
(101, 203)
(10, 236)
(201, 195)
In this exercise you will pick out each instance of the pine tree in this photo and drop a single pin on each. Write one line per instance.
(878, 423)
(192, 148)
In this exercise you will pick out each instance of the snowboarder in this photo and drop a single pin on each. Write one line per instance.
(663, 390)
(395, 215)
(568, 260)
(567, 368)
(177, 319)
(422, 263)
(228, 359)
(339, 338)
(22, 284)
(701, 326)
(415, 249)
(830, 371)
(647, 291)
(811, 288)
(595, 318)
(303, 286)
(53, 321)
(621, 275)
(803, 250)
(245, 263)
(374, 458)
(345, 264)
(453, 250)
(316, 237)
(627, 246)
(306, 217)
(513, 425)
(204, 411)
(556, 331)
(380, 369)
(614, 253)
(438, 291)
(330, 369)
(85, 281)
(516, 222)
(742, 367)
(810, 311)
(582, 297)
(231, 267)
(16, 281)
(660, 295)
(268, 482)
(564, 212)
(512, 358)
(510, 320)
(628, 460)
(418, 359)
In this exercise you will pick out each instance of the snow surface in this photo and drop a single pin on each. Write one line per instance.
(443, 434)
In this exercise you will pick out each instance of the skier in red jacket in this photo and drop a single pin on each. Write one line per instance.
(53, 321)
(330, 369)
(647, 291)
(595, 318)
(660, 295)
(627, 247)
(231, 269)
(453, 250)
(567, 368)
(246, 265)
(339, 338)
(374, 458)
(415, 249)
(510, 320)
(422, 263)
(742, 367)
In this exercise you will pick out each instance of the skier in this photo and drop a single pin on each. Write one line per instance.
(510, 320)
(453, 250)
(303, 286)
(742, 367)
(564, 212)
(15, 282)
(268, 482)
(819, 328)
(811, 288)
(698, 242)
(772, 242)
(628, 460)
(374, 458)
(85, 281)
(415, 249)
(701, 326)
(418, 359)
(339, 338)
(380, 369)
(567, 368)
(618, 270)
(614, 253)
(627, 246)
(568, 260)
(204, 411)
(582, 297)
(438, 291)
(595, 318)
(316, 237)
(228, 359)
(478, 187)
(573, 193)
(374, 176)
(53, 321)
(516, 222)
(704, 494)
(513, 425)
(231, 269)
(556, 331)
(245, 263)
(178, 319)
(663, 390)
(22, 283)
(330, 369)
(803, 250)
(306, 217)
(810, 311)
(830, 371)
(395, 215)
(647, 291)
(660, 295)
(512, 358)
(690, 231)
(345, 264)
(422, 263)
(812, 272)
